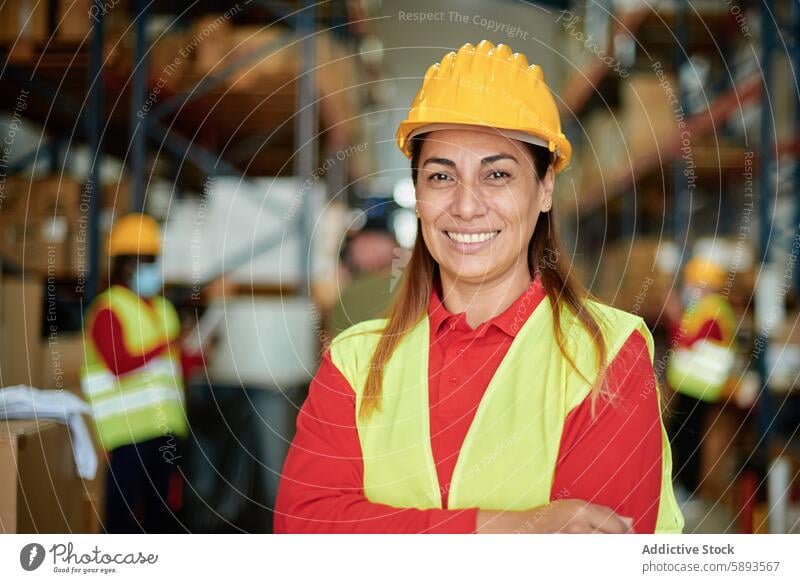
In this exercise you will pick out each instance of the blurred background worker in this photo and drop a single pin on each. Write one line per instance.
(703, 348)
(368, 256)
(132, 377)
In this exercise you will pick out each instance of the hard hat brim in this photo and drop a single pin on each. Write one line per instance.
(409, 129)
(512, 134)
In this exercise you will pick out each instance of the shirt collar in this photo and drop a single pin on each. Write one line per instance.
(509, 321)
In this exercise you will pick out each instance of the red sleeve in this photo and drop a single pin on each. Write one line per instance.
(615, 459)
(710, 330)
(108, 339)
(321, 488)
(191, 362)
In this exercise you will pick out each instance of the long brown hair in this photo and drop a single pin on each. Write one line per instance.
(546, 258)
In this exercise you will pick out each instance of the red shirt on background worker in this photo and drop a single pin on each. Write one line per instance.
(496, 396)
(702, 347)
(133, 379)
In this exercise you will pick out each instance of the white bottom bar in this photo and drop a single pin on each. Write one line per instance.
(403, 558)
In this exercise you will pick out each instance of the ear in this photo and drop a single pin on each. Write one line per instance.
(546, 186)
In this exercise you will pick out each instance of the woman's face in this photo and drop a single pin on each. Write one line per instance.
(479, 199)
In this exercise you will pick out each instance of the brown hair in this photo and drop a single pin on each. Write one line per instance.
(545, 258)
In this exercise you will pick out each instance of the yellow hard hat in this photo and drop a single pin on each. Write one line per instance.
(487, 86)
(134, 234)
(702, 271)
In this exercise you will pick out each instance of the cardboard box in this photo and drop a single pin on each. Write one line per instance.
(23, 20)
(603, 151)
(41, 246)
(20, 333)
(56, 197)
(14, 197)
(637, 276)
(116, 198)
(40, 491)
(167, 60)
(41, 197)
(209, 44)
(62, 358)
(72, 19)
(216, 44)
(647, 113)
(246, 42)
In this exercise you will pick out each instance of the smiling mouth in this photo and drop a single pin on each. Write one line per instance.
(472, 237)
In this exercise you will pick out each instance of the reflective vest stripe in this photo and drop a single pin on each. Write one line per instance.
(705, 360)
(99, 380)
(95, 383)
(131, 401)
(701, 371)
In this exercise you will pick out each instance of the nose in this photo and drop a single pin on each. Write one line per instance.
(467, 202)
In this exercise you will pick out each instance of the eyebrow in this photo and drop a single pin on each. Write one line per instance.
(484, 161)
(442, 161)
(496, 157)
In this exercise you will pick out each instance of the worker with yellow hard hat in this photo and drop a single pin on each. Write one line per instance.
(132, 378)
(702, 348)
(496, 396)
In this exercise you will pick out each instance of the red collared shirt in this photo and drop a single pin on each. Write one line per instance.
(613, 459)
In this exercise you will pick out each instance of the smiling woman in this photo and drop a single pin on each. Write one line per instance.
(497, 396)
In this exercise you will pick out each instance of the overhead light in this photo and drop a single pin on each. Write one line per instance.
(404, 225)
(404, 193)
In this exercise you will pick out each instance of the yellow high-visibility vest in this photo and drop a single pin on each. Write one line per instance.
(144, 403)
(508, 458)
(702, 370)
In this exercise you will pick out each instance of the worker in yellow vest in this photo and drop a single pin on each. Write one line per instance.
(132, 377)
(496, 396)
(702, 347)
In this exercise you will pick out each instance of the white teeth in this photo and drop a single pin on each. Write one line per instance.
(471, 237)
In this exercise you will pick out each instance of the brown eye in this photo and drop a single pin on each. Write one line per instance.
(498, 175)
(438, 177)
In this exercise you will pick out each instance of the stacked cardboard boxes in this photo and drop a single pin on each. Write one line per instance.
(603, 152)
(28, 449)
(216, 44)
(73, 19)
(31, 20)
(40, 491)
(650, 114)
(638, 276)
(20, 332)
(40, 225)
(22, 20)
(44, 224)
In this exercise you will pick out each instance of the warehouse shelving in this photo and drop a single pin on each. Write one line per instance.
(583, 84)
(591, 82)
(620, 193)
(699, 125)
(204, 127)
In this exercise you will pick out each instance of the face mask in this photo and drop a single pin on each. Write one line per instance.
(146, 280)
